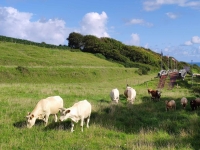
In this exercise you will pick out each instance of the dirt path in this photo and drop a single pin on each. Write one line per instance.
(173, 76)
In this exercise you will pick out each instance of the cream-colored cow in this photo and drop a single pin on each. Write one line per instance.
(114, 95)
(43, 109)
(130, 94)
(79, 111)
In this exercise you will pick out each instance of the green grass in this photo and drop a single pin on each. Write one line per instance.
(32, 56)
(145, 125)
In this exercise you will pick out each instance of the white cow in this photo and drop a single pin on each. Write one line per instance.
(79, 111)
(43, 109)
(130, 94)
(114, 95)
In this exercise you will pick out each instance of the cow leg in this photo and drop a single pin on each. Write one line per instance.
(46, 119)
(55, 118)
(82, 120)
(88, 120)
(132, 101)
(72, 128)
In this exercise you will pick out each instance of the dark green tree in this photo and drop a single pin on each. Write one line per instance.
(75, 40)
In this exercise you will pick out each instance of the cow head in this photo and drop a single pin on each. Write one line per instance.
(166, 102)
(184, 105)
(65, 114)
(30, 120)
(149, 91)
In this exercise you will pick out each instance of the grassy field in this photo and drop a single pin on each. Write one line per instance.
(29, 73)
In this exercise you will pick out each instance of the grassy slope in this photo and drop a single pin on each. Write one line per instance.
(33, 56)
(76, 76)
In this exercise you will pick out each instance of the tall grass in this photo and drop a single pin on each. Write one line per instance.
(144, 125)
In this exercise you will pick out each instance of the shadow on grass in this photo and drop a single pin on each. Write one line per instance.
(22, 124)
(65, 125)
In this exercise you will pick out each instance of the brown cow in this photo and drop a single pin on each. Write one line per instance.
(195, 103)
(155, 94)
(170, 105)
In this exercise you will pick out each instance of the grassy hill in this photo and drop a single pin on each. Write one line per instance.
(30, 73)
(13, 54)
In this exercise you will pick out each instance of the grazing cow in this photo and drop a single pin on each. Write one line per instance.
(114, 95)
(130, 94)
(43, 109)
(184, 102)
(170, 105)
(155, 94)
(195, 103)
(79, 111)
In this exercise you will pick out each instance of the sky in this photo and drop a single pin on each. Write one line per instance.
(168, 26)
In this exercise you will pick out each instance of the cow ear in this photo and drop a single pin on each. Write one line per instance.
(67, 111)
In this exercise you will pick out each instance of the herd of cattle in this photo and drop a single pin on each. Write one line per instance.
(155, 94)
(82, 109)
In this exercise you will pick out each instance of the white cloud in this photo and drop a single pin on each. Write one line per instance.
(138, 21)
(192, 4)
(188, 43)
(150, 5)
(195, 40)
(18, 25)
(94, 24)
(171, 15)
(14, 23)
(135, 39)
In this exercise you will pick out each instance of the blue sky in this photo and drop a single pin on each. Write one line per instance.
(170, 26)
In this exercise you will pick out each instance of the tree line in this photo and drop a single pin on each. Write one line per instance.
(113, 50)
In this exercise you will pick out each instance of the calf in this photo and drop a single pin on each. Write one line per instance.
(155, 94)
(114, 95)
(184, 102)
(195, 103)
(170, 105)
(79, 111)
(43, 109)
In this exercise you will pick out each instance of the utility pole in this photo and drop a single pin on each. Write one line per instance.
(191, 71)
